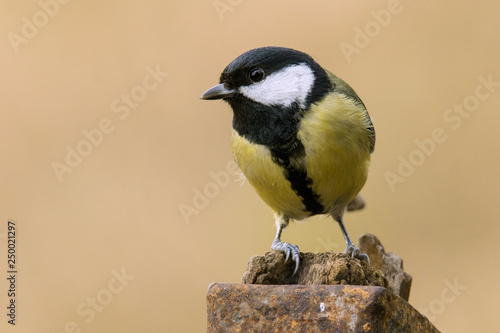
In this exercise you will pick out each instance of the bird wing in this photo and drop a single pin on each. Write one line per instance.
(341, 87)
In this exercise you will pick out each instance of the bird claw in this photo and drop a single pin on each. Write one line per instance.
(288, 249)
(355, 252)
(287, 252)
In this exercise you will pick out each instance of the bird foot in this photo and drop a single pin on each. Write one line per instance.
(355, 252)
(288, 249)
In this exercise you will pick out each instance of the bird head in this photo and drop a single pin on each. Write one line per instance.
(272, 76)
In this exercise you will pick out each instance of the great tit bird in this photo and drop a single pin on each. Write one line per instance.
(301, 136)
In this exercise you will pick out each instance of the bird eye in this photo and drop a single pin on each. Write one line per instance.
(256, 74)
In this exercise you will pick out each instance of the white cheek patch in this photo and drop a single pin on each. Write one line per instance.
(284, 87)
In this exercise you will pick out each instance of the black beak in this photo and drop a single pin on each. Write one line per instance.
(217, 92)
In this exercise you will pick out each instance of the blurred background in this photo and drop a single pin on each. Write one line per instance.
(120, 182)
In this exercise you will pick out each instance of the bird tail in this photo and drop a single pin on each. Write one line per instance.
(356, 204)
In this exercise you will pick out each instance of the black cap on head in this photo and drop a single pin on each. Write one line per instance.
(271, 59)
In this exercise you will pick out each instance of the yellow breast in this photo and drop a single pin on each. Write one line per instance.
(336, 142)
(267, 177)
(337, 145)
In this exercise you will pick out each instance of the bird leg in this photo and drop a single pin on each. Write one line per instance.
(351, 249)
(281, 223)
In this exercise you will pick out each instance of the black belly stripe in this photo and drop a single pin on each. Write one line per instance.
(298, 179)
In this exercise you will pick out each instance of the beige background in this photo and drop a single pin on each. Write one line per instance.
(118, 211)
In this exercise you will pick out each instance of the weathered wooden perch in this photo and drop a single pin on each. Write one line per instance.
(315, 268)
(331, 292)
(388, 263)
